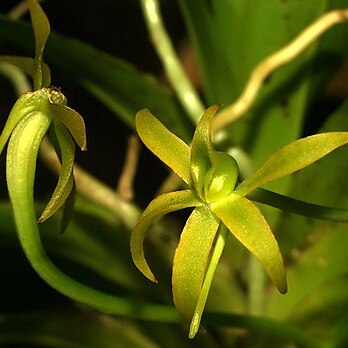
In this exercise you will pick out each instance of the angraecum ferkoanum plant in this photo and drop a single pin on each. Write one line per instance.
(223, 199)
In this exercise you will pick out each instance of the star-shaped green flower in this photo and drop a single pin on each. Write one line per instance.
(219, 203)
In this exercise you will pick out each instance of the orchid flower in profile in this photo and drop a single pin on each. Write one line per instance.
(220, 205)
(31, 117)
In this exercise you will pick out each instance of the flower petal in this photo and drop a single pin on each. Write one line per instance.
(191, 259)
(159, 206)
(170, 149)
(65, 181)
(202, 150)
(73, 121)
(297, 155)
(248, 225)
(42, 30)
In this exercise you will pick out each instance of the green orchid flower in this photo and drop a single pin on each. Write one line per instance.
(31, 117)
(220, 205)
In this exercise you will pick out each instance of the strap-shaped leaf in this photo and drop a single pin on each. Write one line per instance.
(27, 65)
(248, 225)
(73, 121)
(42, 30)
(65, 181)
(159, 206)
(192, 258)
(292, 157)
(202, 150)
(170, 149)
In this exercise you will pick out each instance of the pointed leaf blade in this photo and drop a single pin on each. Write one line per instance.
(170, 149)
(192, 258)
(161, 205)
(248, 225)
(65, 181)
(295, 156)
(202, 150)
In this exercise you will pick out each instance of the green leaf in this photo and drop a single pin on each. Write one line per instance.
(192, 258)
(170, 149)
(248, 225)
(202, 150)
(65, 181)
(73, 121)
(293, 157)
(70, 328)
(68, 209)
(159, 206)
(28, 66)
(42, 30)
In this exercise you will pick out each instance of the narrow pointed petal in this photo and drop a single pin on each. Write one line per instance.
(69, 205)
(295, 156)
(42, 30)
(65, 181)
(202, 150)
(27, 65)
(160, 206)
(170, 149)
(248, 225)
(73, 121)
(192, 258)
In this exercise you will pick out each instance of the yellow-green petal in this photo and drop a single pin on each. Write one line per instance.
(192, 258)
(170, 149)
(42, 30)
(295, 156)
(65, 181)
(202, 150)
(160, 206)
(247, 224)
(73, 121)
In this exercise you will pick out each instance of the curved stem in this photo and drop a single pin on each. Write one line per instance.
(299, 207)
(171, 63)
(268, 65)
(21, 163)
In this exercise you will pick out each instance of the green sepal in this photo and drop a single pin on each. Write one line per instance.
(295, 156)
(27, 65)
(73, 121)
(65, 181)
(68, 208)
(42, 30)
(170, 149)
(27, 104)
(159, 206)
(202, 150)
(221, 178)
(192, 258)
(247, 224)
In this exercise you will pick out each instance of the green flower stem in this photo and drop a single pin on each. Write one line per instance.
(299, 207)
(218, 249)
(21, 163)
(171, 63)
